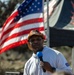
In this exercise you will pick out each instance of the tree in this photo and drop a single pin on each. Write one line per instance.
(6, 8)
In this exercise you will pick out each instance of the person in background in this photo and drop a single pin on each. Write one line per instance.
(52, 60)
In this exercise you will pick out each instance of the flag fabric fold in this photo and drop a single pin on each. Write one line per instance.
(61, 23)
(28, 16)
(63, 15)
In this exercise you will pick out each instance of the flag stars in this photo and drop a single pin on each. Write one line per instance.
(35, 0)
(20, 7)
(20, 11)
(21, 16)
(35, 6)
(32, 3)
(38, 2)
(17, 17)
(30, 7)
(23, 13)
(32, 10)
(26, 1)
(27, 8)
(38, 9)
(27, 11)
(23, 6)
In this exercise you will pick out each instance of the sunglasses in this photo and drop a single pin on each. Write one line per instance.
(36, 39)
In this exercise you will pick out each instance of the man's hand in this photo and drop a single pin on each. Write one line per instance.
(46, 66)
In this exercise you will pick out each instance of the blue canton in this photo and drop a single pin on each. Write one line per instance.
(29, 7)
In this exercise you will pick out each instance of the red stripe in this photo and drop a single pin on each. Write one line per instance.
(37, 20)
(15, 44)
(21, 33)
(9, 18)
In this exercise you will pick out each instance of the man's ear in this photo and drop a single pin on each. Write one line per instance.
(29, 45)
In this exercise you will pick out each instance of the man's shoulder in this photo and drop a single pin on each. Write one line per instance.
(52, 50)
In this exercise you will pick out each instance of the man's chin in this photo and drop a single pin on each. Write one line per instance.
(36, 49)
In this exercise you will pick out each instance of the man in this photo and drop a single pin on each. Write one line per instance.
(53, 60)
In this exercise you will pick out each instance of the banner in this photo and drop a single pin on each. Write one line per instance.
(61, 23)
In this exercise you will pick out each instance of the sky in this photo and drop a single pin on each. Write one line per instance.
(4, 0)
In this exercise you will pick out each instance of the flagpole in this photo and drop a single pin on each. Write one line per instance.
(48, 31)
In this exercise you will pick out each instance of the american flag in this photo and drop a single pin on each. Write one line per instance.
(28, 16)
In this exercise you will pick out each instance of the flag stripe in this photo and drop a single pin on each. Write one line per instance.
(14, 35)
(20, 24)
(15, 44)
(10, 44)
(25, 27)
(28, 17)
(21, 37)
(24, 23)
(17, 28)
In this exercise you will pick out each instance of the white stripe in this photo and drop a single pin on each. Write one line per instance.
(22, 28)
(31, 16)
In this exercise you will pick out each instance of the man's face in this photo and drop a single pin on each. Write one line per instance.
(36, 42)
